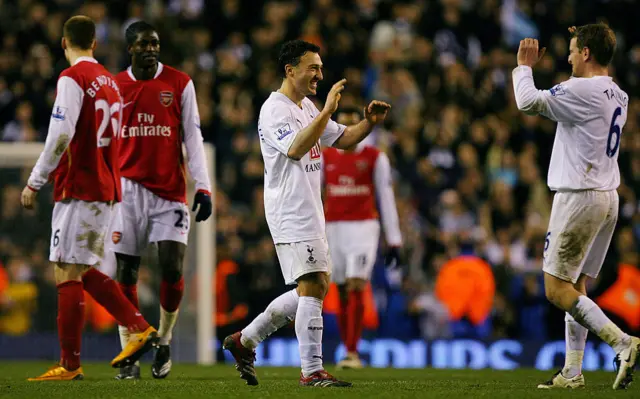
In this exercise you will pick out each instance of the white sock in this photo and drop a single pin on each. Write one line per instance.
(167, 322)
(587, 313)
(125, 335)
(309, 333)
(575, 339)
(279, 312)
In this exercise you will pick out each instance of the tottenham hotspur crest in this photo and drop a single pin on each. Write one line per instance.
(311, 260)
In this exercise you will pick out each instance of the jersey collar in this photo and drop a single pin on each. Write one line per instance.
(85, 58)
(158, 72)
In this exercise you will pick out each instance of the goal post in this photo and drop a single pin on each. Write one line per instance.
(203, 238)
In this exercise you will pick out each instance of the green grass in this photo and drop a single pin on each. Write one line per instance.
(191, 381)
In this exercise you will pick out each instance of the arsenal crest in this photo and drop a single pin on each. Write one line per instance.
(116, 236)
(166, 98)
(362, 165)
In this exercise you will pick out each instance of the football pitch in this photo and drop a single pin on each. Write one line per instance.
(221, 381)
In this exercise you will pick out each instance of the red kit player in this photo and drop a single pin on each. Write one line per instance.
(353, 179)
(160, 113)
(80, 156)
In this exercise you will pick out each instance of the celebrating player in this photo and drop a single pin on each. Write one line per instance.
(291, 130)
(160, 112)
(353, 177)
(590, 110)
(80, 155)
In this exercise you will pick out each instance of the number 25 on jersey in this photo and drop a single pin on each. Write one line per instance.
(108, 113)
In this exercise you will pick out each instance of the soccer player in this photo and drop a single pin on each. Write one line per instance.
(590, 110)
(80, 155)
(353, 179)
(160, 113)
(291, 131)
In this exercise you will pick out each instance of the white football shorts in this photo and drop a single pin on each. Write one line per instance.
(78, 230)
(580, 231)
(304, 257)
(142, 218)
(353, 245)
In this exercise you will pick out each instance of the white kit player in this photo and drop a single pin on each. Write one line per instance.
(590, 110)
(160, 113)
(354, 179)
(291, 131)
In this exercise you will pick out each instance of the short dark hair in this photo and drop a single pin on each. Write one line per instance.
(80, 32)
(292, 51)
(131, 34)
(600, 40)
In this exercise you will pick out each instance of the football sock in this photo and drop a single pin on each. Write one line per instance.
(279, 312)
(125, 335)
(70, 322)
(587, 313)
(170, 297)
(354, 320)
(131, 292)
(167, 322)
(107, 293)
(575, 339)
(309, 332)
(343, 320)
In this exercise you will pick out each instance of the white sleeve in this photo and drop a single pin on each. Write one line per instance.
(197, 161)
(62, 128)
(278, 128)
(331, 133)
(569, 101)
(386, 200)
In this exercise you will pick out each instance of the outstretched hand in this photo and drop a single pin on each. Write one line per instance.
(376, 111)
(528, 52)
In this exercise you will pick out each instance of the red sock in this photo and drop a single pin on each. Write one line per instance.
(354, 320)
(171, 294)
(343, 317)
(131, 292)
(107, 293)
(70, 323)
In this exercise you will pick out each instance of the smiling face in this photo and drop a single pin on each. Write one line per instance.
(306, 75)
(145, 50)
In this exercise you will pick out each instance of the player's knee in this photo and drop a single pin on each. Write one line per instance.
(171, 256)
(314, 284)
(69, 272)
(127, 269)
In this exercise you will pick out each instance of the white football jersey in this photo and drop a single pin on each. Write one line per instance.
(292, 197)
(591, 113)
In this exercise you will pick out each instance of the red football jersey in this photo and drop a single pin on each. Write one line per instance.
(154, 112)
(81, 154)
(349, 184)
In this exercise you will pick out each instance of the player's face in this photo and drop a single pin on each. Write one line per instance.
(146, 49)
(575, 59)
(308, 73)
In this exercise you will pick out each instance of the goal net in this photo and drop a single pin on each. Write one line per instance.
(24, 239)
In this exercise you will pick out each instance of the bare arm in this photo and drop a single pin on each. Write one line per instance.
(309, 136)
(374, 114)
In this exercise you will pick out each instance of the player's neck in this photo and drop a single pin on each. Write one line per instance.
(596, 71)
(73, 55)
(289, 90)
(144, 73)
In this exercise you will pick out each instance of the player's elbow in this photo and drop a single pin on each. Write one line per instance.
(294, 154)
(526, 104)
